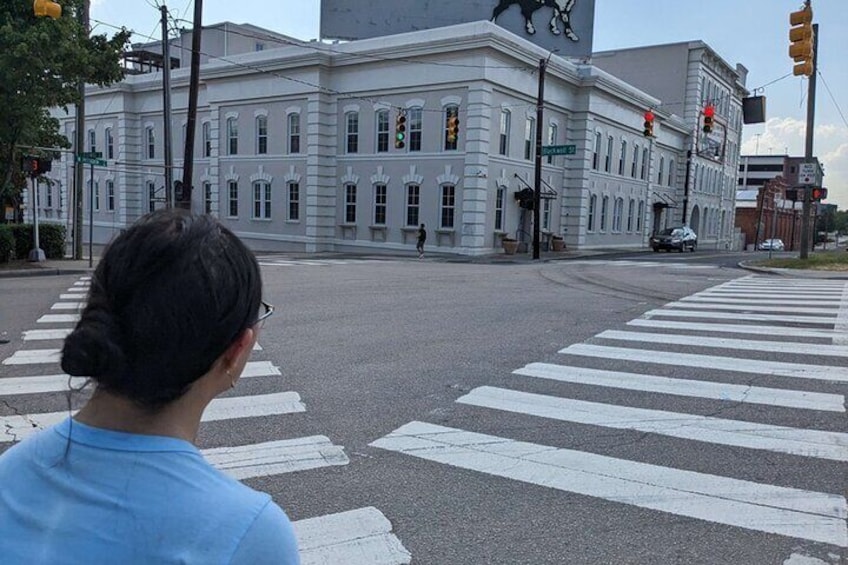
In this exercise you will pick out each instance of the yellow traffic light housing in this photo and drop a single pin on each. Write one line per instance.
(453, 129)
(801, 41)
(46, 8)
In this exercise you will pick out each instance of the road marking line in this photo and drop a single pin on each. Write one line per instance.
(356, 537)
(20, 426)
(40, 335)
(825, 312)
(77, 289)
(68, 306)
(841, 326)
(778, 439)
(686, 387)
(796, 348)
(735, 328)
(740, 316)
(82, 284)
(72, 296)
(779, 510)
(59, 383)
(276, 457)
(761, 301)
(34, 357)
(733, 364)
(771, 293)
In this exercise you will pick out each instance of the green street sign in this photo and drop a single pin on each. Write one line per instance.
(559, 150)
(92, 155)
(85, 160)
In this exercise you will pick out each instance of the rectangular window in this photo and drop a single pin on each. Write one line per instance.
(671, 173)
(499, 209)
(631, 210)
(232, 136)
(660, 170)
(604, 209)
(546, 214)
(451, 128)
(207, 139)
(110, 195)
(416, 126)
(413, 204)
(151, 143)
(379, 205)
(639, 215)
(593, 204)
(617, 212)
(644, 172)
(352, 132)
(350, 203)
(552, 140)
(448, 206)
(261, 135)
(49, 196)
(382, 131)
(110, 144)
(92, 140)
(608, 156)
(294, 201)
(294, 133)
(529, 134)
(506, 118)
(233, 198)
(635, 163)
(622, 158)
(207, 197)
(596, 154)
(262, 200)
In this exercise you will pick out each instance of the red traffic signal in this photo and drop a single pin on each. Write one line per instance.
(818, 194)
(709, 113)
(648, 130)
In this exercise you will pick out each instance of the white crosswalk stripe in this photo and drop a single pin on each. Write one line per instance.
(264, 262)
(357, 537)
(798, 309)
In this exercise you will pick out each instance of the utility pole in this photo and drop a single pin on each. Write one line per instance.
(79, 144)
(537, 193)
(188, 158)
(166, 101)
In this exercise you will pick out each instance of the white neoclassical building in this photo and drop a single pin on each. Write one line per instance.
(295, 146)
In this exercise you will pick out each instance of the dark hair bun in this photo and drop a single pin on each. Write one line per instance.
(93, 348)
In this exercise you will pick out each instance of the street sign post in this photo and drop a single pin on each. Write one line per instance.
(93, 159)
(559, 150)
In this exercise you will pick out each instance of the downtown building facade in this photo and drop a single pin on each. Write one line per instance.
(295, 146)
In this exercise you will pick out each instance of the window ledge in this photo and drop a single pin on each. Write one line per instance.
(409, 229)
(445, 231)
(378, 227)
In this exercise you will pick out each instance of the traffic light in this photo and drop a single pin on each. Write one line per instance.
(801, 40)
(35, 166)
(818, 194)
(709, 113)
(526, 198)
(45, 8)
(453, 128)
(649, 124)
(400, 130)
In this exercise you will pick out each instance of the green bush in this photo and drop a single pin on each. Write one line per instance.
(51, 237)
(7, 243)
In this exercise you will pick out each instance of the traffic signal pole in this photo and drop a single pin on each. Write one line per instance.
(808, 149)
(537, 193)
(166, 105)
(79, 144)
(194, 86)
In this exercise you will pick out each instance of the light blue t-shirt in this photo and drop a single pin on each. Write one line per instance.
(112, 497)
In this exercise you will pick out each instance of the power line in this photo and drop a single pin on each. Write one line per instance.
(833, 98)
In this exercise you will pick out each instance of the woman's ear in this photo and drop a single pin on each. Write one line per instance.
(237, 354)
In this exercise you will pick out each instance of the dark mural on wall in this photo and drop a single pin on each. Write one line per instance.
(562, 26)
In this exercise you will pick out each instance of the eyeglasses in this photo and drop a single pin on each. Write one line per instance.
(269, 309)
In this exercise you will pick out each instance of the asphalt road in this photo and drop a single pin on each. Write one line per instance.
(373, 347)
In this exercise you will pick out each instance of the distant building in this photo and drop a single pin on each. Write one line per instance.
(296, 149)
(764, 208)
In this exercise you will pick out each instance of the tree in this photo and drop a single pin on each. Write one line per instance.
(41, 63)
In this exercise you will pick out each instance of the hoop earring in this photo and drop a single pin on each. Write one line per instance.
(232, 380)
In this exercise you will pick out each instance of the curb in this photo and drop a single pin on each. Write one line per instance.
(50, 272)
(793, 273)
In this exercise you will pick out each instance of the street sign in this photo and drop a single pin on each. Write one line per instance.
(92, 155)
(85, 160)
(559, 150)
(807, 173)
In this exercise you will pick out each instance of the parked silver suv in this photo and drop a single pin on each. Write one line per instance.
(680, 238)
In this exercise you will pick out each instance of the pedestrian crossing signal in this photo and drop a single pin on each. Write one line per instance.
(400, 130)
(818, 194)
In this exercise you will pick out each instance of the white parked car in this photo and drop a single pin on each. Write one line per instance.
(772, 245)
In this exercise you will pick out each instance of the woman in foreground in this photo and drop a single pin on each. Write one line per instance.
(172, 316)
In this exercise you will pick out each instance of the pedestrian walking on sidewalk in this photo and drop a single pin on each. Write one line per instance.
(422, 237)
(172, 315)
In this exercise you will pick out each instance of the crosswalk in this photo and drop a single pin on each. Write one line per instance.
(359, 536)
(713, 342)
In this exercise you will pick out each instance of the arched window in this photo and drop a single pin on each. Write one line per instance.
(416, 128)
(261, 135)
(232, 136)
(593, 206)
(451, 128)
(293, 128)
(631, 212)
(506, 119)
(604, 209)
(382, 120)
(617, 213)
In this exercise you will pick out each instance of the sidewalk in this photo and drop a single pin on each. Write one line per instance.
(50, 267)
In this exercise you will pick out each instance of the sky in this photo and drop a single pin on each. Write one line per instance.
(754, 33)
